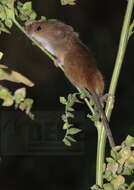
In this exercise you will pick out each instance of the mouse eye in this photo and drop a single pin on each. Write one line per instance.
(38, 28)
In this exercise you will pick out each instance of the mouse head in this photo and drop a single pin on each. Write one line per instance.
(50, 31)
(54, 36)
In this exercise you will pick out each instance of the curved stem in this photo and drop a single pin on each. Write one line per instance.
(109, 106)
(82, 91)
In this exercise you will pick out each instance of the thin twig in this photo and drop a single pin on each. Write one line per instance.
(113, 85)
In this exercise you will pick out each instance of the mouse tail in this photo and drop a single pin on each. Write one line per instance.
(103, 117)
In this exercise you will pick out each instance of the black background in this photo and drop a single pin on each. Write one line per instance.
(99, 25)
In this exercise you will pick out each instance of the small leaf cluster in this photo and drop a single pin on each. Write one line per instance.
(70, 131)
(18, 98)
(6, 15)
(25, 12)
(68, 2)
(93, 116)
(96, 187)
(119, 165)
(9, 9)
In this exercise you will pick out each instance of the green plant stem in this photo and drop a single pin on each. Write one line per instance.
(82, 91)
(109, 106)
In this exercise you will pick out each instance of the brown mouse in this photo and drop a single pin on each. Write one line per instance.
(78, 62)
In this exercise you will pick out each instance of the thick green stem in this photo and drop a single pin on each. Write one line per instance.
(118, 64)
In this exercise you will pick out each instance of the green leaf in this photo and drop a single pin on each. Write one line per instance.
(108, 186)
(96, 187)
(125, 153)
(6, 96)
(27, 9)
(127, 171)
(33, 15)
(69, 114)
(130, 160)
(19, 4)
(9, 12)
(129, 141)
(2, 13)
(111, 168)
(11, 75)
(28, 105)
(7, 3)
(66, 126)
(116, 182)
(73, 98)
(109, 160)
(73, 131)
(25, 12)
(116, 148)
(108, 175)
(71, 138)
(28, 102)
(2, 1)
(94, 117)
(3, 92)
(63, 100)
(8, 101)
(27, 5)
(8, 23)
(3, 28)
(68, 2)
(85, 94)
(70, 108)
(64, 118)
(23, 17)
(115, 155)
(43, 18)
(20, 95)
(66, 142)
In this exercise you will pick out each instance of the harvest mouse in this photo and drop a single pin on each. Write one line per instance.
(78, 62)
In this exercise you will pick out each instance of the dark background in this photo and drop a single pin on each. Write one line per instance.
(51, 165)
